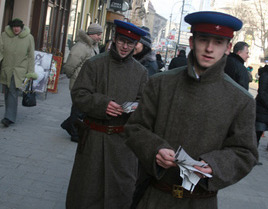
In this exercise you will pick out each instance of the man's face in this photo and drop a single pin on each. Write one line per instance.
(16, 30)
(209, 49)
(138, 48)
(96, 37)
(124, 46)
(244, 53)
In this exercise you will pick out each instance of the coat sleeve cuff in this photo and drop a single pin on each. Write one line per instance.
(34, 76)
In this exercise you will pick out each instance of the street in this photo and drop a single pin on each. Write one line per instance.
(36, 158)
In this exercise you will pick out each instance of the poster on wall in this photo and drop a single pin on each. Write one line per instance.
(54, 74)
(42, 69)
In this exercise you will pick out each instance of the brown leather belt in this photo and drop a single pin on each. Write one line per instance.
(178, 191)
(105, 129)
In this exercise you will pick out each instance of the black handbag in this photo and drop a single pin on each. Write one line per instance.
(28, 95)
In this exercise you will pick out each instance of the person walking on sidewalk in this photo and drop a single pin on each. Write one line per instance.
(160, 63)
(207, 114)
(235, 64)
(144, 54)
(85, 48)
(178, 61)
(104, 172)
(17, 56)
(262, 103)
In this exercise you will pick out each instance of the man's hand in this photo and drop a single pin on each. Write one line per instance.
(206, 169)
(165, 158)
(114, 109)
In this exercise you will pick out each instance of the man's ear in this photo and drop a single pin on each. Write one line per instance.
(191, 44)
(229, 47)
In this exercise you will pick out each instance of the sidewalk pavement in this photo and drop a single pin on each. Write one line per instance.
(36, 155)
(36, 158)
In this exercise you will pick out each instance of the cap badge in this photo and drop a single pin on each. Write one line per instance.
(218, 27)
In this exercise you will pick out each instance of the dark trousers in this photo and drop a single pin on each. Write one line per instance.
(258, 134)
(69, 123)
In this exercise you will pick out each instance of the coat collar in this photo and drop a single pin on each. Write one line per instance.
(83, 37)
(211, 74)
(148, 57)
(24, 32)
(236, 56)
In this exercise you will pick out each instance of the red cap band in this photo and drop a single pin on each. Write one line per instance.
(128, 33)
(213, 29)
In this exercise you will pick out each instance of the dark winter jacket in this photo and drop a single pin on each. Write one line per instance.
(149, 61)
(236, 70)
(159, 61)
(178, 61)
(262, 97)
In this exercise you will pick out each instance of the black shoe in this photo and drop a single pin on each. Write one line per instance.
(259, 163)
(74, 138)
(65, 126)
(6, 122)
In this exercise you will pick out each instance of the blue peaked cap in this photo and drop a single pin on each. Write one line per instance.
(216, 23)
(129, 30)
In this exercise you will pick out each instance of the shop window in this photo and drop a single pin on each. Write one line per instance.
(47, 34)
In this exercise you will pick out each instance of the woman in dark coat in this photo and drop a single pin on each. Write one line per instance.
(262, 103)
(144, 54)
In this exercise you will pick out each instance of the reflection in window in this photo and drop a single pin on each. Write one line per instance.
(47, 37)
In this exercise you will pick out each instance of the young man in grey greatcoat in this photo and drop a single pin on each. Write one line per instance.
(201, 109)
(105, 170)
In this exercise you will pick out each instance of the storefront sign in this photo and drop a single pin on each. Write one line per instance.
(116, 5)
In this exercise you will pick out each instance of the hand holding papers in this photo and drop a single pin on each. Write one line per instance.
(129, 106)
(186, 163)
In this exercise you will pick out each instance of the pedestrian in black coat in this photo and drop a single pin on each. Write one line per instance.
(262, 103)
(235, 64)
(144, 54)
(159, 61)
(178, 61)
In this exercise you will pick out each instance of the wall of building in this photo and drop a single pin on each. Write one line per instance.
(2, 7)
(22, 10)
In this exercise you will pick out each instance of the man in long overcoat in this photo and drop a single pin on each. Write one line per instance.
(105, 170)
(17, 56)
(201, 109)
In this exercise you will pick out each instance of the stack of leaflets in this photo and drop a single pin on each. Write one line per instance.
(129, 106)
(186, 164)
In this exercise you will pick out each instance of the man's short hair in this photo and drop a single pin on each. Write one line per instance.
(239, 46)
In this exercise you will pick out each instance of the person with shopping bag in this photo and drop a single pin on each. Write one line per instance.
(17, 56)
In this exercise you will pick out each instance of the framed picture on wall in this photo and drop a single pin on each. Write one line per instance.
(54, 74)
(42, 69)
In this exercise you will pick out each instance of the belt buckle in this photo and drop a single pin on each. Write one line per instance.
(109, 130)
(177, 191)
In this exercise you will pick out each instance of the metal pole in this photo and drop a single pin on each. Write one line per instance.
(167, 38)
(182, 9)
